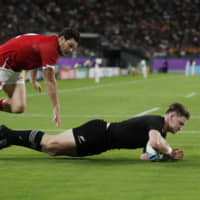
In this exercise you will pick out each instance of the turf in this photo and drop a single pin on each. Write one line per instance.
(115, 175)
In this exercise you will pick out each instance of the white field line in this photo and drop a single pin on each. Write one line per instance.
(86, 116)
(148, 111)
(100, 86)
(184, 132)
(190, 95)
(190, 131)
(195, 116)
(71, 115)
(74, 116)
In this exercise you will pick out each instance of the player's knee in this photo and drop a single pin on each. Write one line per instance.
(51, 149)
(52, 153)
(18, 108)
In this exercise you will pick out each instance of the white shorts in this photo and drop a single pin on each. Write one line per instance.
(8, 76)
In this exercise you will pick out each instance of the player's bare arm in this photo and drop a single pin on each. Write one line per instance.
(52, 91)
(158, 143)
(144, 156)
(33, 75)
(176, 154)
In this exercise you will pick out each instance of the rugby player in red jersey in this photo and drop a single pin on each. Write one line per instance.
(30, 52)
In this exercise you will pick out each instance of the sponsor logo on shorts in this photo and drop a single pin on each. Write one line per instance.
(81, 139)
(3, 142)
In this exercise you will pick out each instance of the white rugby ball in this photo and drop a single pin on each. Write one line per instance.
(152, 154)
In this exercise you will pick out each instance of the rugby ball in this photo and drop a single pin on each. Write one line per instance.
(152, 154)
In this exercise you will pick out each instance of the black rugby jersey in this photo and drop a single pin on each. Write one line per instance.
(133, 133)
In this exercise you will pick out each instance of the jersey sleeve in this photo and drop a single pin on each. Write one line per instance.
(144, 150)
(49, 54)
(156, 123)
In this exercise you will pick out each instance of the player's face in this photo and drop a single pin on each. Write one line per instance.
(176, 123)
(67, 46)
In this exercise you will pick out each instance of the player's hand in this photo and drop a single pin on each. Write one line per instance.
(56, 116)
(37, 86)
(177, 154)
(144, 156)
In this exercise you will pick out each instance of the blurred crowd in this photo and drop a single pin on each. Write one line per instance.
(160, 28)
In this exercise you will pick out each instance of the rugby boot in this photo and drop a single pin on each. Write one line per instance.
(3, 137)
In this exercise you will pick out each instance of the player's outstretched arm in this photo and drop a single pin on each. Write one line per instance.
(176, 154)
(161, 145)
(158, 143)
(53, 93)
(144, 156)
(33, 75)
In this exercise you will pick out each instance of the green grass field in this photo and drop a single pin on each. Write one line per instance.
(115, 175)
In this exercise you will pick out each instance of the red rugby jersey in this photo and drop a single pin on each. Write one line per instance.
(29, 51)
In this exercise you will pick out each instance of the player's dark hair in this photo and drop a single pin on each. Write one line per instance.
(180, 109)
(70, 33)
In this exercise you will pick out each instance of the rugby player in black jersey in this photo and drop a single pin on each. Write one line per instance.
(97, 136)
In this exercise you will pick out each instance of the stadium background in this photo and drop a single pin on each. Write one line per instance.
(122, 33)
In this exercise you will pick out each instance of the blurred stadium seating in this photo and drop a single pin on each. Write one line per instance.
(158, 27)
(113, 29)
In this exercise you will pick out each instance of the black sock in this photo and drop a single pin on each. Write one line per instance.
(26, 138)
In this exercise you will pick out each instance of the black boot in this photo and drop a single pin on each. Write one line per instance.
(4, 137)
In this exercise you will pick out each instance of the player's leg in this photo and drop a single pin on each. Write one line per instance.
(88, 139)
(16, 102)
(13, 85)
(61, 144)
(26, 138)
